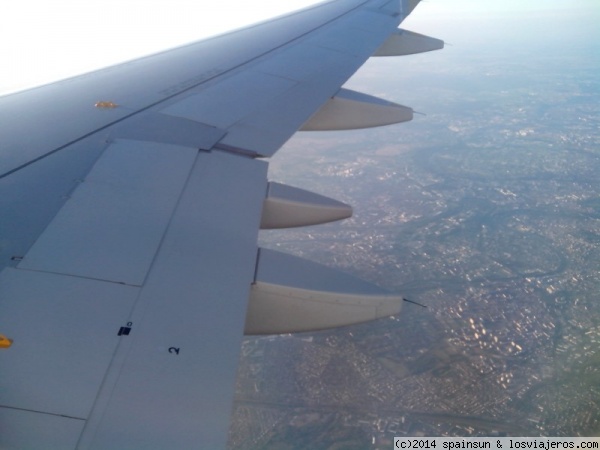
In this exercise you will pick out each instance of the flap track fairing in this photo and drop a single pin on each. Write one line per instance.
(404, 42)
(350, 110)
(293, 295)
(288, 207)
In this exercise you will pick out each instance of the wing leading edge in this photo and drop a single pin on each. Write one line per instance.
(135, 196)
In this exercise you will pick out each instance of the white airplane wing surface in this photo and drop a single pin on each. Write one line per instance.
(130, 204)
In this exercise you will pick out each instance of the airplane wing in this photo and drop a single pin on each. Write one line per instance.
(131, 200)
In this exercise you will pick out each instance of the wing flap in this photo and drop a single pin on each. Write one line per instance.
(228, 101)
(180, 358)
(65, 332)
(111, 227)
(166, 129)
(344, 47)
(26, 430)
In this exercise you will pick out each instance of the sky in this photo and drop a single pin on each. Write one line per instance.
(43, 41)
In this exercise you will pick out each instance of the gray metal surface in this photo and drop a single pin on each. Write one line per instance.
(26, 430)
(162, 128)
(111, 227)
(344, 45)
(224, 103)
(31, 197)
(65, 332)
(173, 386)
